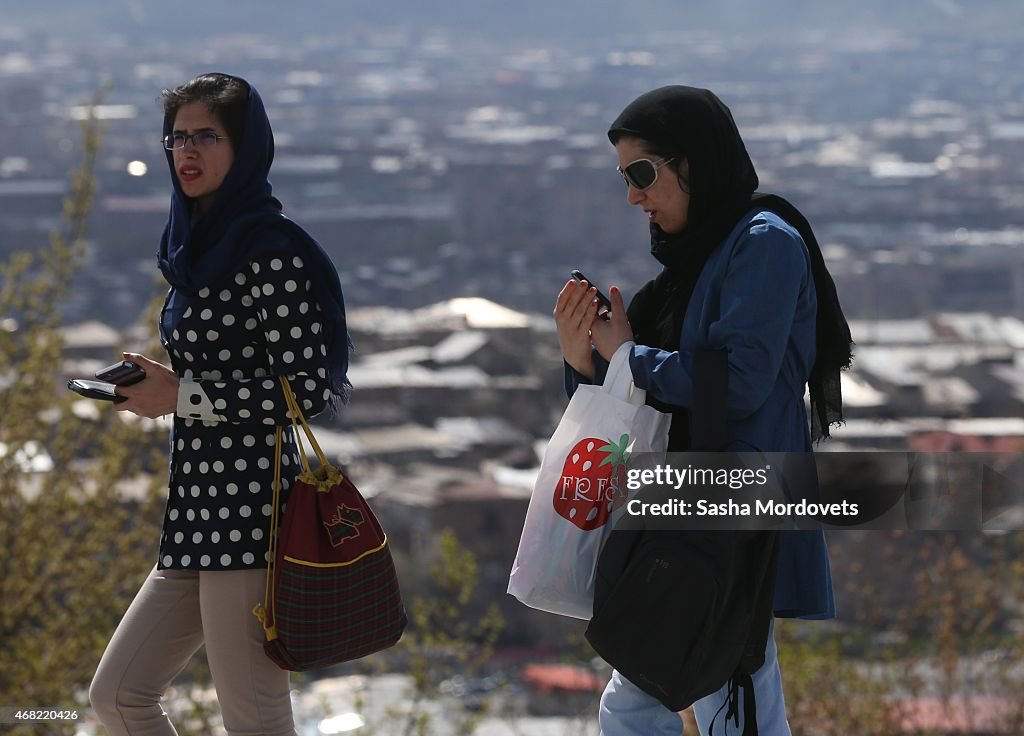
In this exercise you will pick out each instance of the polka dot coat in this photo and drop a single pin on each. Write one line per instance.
(227, 344)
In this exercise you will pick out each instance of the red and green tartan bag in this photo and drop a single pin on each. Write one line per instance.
(332, 593)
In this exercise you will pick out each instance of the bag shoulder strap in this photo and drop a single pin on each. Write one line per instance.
(327, 476)
(709, 429)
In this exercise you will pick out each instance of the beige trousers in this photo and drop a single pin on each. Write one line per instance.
(173, 615)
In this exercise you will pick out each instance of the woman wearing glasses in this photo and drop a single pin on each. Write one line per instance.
(252, 296)
(741, 272)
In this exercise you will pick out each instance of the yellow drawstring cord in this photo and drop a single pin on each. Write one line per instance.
(324, 478)
(259, 611)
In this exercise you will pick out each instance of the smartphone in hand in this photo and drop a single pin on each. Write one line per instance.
(124, 373)
(605, 302)
(98, 390)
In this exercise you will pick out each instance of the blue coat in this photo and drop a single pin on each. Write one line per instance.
(755, 298)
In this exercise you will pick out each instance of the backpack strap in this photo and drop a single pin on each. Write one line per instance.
(732, 706)
(709, 429)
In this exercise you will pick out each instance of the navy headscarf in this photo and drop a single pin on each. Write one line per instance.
(243, 222)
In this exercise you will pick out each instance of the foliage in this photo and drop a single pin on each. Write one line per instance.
(441, 644)
(76, 539)
(930, 621)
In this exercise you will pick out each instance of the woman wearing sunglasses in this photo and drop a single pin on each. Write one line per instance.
(252, 296)
(741, 272)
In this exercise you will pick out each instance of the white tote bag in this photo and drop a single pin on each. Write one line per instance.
(581, 490)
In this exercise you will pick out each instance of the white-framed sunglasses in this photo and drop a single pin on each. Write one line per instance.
(642, 173)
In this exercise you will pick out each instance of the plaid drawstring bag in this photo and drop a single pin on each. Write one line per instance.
(332, 594)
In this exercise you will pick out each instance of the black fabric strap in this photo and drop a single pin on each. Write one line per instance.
(732, 706)
(709, 432)
(749, 706)
(730, 698)
(708, 425)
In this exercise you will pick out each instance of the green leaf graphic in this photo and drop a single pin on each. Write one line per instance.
(618, 454)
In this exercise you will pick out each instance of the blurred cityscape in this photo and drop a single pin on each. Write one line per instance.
(456, 175)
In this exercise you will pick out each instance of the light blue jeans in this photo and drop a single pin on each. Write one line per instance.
(626, 710)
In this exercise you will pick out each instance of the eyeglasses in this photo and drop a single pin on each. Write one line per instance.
(202, 139)
(642, 173)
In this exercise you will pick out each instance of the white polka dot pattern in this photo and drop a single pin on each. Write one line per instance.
(259, 322)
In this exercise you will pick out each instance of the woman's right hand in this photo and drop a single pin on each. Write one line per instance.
(154, 396)
(575, 311)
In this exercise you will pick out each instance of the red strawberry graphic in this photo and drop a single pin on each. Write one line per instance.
(592, 476)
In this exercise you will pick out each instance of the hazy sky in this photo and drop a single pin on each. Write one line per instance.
(524, 18)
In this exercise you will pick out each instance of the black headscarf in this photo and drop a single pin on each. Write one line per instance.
(686, 122)
(243, 222)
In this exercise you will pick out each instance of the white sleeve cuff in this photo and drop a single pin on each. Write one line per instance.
(193, 403)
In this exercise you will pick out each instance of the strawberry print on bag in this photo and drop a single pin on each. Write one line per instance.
(593, 479)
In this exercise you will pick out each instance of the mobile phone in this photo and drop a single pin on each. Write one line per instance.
(95, 390)
(605, 301)
(124, 373)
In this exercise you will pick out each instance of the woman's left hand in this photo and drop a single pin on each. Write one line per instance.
(608, 336)
(155, 395)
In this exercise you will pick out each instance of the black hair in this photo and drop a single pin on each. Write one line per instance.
(226, 97)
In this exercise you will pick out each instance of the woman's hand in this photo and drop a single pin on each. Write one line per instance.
(608, 336)
(575, 312)
(153, 396)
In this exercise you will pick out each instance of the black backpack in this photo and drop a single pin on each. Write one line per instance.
(681, 613)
